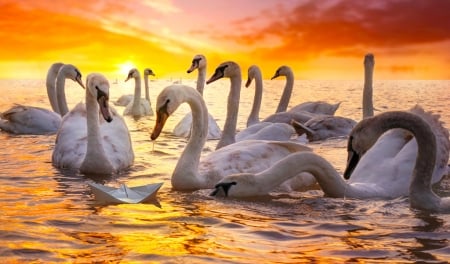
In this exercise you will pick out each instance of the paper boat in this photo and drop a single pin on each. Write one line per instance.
(125, 194)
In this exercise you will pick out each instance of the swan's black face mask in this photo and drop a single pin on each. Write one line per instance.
(276, 74)
(102, 99)
(352, 159)
(195, 65)
(222, 189)
(218, 74)
(161, 117)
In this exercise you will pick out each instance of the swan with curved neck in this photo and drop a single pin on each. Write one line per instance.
(138, 107)
(317, 107)
(67, 71)
(262, 130)
(89, 144)
(21, 119)
(191, 173)
(333, 185)
(183, 128)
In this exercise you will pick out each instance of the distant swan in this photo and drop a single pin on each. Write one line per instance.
(317, 107)
(183, 128)
(139, 106)
(147, 72)
(190, 173)
(326, 126)
(21, 119)
(417, 184)
(89, 144)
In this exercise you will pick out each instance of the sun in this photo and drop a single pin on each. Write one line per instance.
(124, 68)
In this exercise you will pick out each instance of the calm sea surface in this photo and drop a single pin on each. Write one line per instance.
(50, 216)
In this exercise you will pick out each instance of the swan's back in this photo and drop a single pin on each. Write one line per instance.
(318, 107)
(21, 119)
(267, 131)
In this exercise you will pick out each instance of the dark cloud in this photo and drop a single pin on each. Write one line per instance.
(334, 27)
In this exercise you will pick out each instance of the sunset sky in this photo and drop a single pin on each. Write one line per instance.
(319, 39)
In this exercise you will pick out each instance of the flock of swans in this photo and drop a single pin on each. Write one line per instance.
(391, 154)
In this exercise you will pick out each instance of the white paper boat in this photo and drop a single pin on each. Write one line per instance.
(125, 194)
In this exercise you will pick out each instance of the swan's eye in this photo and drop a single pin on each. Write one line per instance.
(196, 61)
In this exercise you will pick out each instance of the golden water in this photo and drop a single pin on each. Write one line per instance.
(49, 216)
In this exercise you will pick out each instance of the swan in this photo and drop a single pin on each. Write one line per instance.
(191, 173)
(138, 107)
(386, 186)
(327, 126)
(262, 130)
(317, 107)
(183, 128)
(125, 99)
(22, 119)
(87, 143)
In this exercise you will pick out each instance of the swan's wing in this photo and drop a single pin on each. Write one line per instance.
(329, 126)
(318, 107)
(246, 156)
(71, 140)
(124, 100)
(21, 119)
(183, 128)
(144, 108)
(267, 131)
(117, 141)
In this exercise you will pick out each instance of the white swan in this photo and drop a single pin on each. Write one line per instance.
(389, 185)
(190, 173)
(138, 107)
(126, 99)
(327, 126)
(89, 144)
(317, 107)
(148, 72)
(262, 130)
(183, 128)
(21, 119)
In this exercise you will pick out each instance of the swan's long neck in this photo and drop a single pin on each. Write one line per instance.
(51, 86)
(328, 178)
(137, 96)
(147, 94)
(421, 194)
(95, 154)
(61, 94)
(367, 103)
(287, 91)
(201, 78)
(253, 118)
(185, 175)
(229, 129)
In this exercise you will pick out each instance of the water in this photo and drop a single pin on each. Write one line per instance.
(50, 216)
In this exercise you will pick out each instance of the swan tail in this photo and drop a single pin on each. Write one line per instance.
(302, 129)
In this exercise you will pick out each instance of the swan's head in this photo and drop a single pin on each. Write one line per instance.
(198, 62)
(237, 185)
(167, 103)
(282, 71)
(98, 86)
(133, 73)
(227, 69)
(149, 71)
(71, 72)
(369, 60)
(253, 71)
(362, 137)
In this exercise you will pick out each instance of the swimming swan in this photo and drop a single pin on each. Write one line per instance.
(417, 184)
(183, 128)
(22, 119)
(89, 144)
(138, 107)
(317, 107)
(262, 130)
(191, 173)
